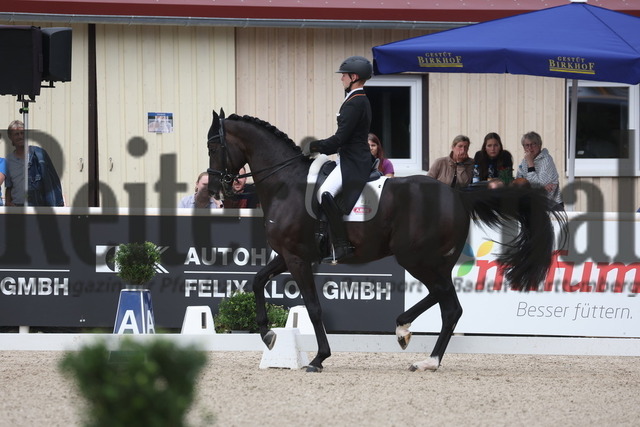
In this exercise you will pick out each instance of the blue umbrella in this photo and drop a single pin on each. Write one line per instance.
(574, 41)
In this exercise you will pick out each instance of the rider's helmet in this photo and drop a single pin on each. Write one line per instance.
(357, 65)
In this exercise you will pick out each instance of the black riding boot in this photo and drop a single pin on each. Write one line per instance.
(342, 248)
(321, 236)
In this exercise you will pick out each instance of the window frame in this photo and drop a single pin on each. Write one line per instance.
(608, 167)
(413, 164)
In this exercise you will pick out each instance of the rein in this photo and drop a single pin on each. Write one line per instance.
(227, 178)
(277, 168)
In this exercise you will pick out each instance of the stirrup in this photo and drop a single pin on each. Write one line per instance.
(339, 253)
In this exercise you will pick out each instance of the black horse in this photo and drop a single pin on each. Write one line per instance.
(420, 221)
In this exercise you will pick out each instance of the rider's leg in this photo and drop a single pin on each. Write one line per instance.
(328, 190)
(341, 245)
(332, 185)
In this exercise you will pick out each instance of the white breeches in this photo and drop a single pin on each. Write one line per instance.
(333, 183)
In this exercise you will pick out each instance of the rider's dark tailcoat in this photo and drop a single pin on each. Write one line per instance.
(350, 141)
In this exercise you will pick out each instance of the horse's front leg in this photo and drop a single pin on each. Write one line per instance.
(301, 272)
(273, 268)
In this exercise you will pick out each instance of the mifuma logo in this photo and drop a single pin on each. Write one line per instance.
(466, 264)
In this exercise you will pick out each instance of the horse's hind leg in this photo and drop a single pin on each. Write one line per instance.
(403, 322)
(441, 291)
(273, 268)
(451, 311)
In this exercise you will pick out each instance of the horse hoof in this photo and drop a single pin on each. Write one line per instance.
(312, 368)
(431, 364)
(404, 341)
(270, 339)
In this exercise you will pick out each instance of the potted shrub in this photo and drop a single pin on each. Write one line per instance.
(136, 266)
(238, 313)
(135, 262)
(153, 385)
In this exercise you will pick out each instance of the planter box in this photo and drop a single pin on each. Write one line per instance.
(135, 313)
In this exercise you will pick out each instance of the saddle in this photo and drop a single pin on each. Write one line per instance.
(367, 205)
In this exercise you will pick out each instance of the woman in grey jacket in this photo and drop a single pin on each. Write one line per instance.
(538, 168)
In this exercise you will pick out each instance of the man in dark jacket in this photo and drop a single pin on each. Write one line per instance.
(44, 184)
(354, 157)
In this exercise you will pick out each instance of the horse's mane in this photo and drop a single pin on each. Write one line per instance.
(268, 126)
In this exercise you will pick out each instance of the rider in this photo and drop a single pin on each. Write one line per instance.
(354, 157)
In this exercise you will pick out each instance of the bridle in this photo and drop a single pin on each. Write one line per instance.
(225, 177)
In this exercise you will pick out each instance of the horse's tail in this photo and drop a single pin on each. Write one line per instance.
(526, 259)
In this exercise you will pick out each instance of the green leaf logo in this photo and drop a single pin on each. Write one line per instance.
(465, 267)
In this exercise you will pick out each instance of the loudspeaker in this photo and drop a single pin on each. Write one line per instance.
(21, 55)
(56, 53)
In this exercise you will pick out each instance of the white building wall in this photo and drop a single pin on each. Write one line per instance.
(284, 76)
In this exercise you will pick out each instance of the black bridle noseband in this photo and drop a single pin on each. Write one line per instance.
(225, 177)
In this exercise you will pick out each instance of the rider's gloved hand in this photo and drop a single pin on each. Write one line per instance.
(306, 147)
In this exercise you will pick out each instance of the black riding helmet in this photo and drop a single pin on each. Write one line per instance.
(357, 65)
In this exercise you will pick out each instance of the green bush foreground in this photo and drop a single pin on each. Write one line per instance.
(144, 384)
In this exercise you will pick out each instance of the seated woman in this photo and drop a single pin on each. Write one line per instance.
(493, 160)
(384, 166)
(456, 169)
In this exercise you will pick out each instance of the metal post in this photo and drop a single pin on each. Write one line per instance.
(573, 126)
(24, 110)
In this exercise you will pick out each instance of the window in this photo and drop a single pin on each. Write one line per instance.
(606, 136)
(396, 104)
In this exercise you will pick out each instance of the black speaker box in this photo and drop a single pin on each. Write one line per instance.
(56, 53)
(21, 53)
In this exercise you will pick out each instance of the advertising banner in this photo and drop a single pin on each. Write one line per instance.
(591, 289)
(56, 270)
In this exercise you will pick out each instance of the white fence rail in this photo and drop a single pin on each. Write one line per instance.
(344, 343)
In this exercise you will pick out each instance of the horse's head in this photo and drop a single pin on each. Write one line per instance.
(238, 140)
(222, 170)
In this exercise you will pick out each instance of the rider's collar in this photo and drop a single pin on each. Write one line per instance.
(354, 90)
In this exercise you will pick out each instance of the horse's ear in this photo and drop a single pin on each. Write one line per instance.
(213, 129)
(221, 113)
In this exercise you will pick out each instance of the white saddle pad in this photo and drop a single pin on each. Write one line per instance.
(365, 208)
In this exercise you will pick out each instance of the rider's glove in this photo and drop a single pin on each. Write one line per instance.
(306, 148)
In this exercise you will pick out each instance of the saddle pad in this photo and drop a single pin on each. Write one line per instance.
(365, 208)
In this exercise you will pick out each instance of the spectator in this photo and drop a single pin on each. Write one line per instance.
(44, 183)
(538, 168)
(384, 166)
(493, 160)
(200, 198)
(244, 195)
(456, 169)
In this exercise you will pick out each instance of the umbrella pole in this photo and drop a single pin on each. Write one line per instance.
(573, 126)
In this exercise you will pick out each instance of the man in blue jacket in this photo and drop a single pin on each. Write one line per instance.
(44, 184)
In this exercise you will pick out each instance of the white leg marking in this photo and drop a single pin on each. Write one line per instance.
(404, 335)
(403, 330)
(430, 364)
